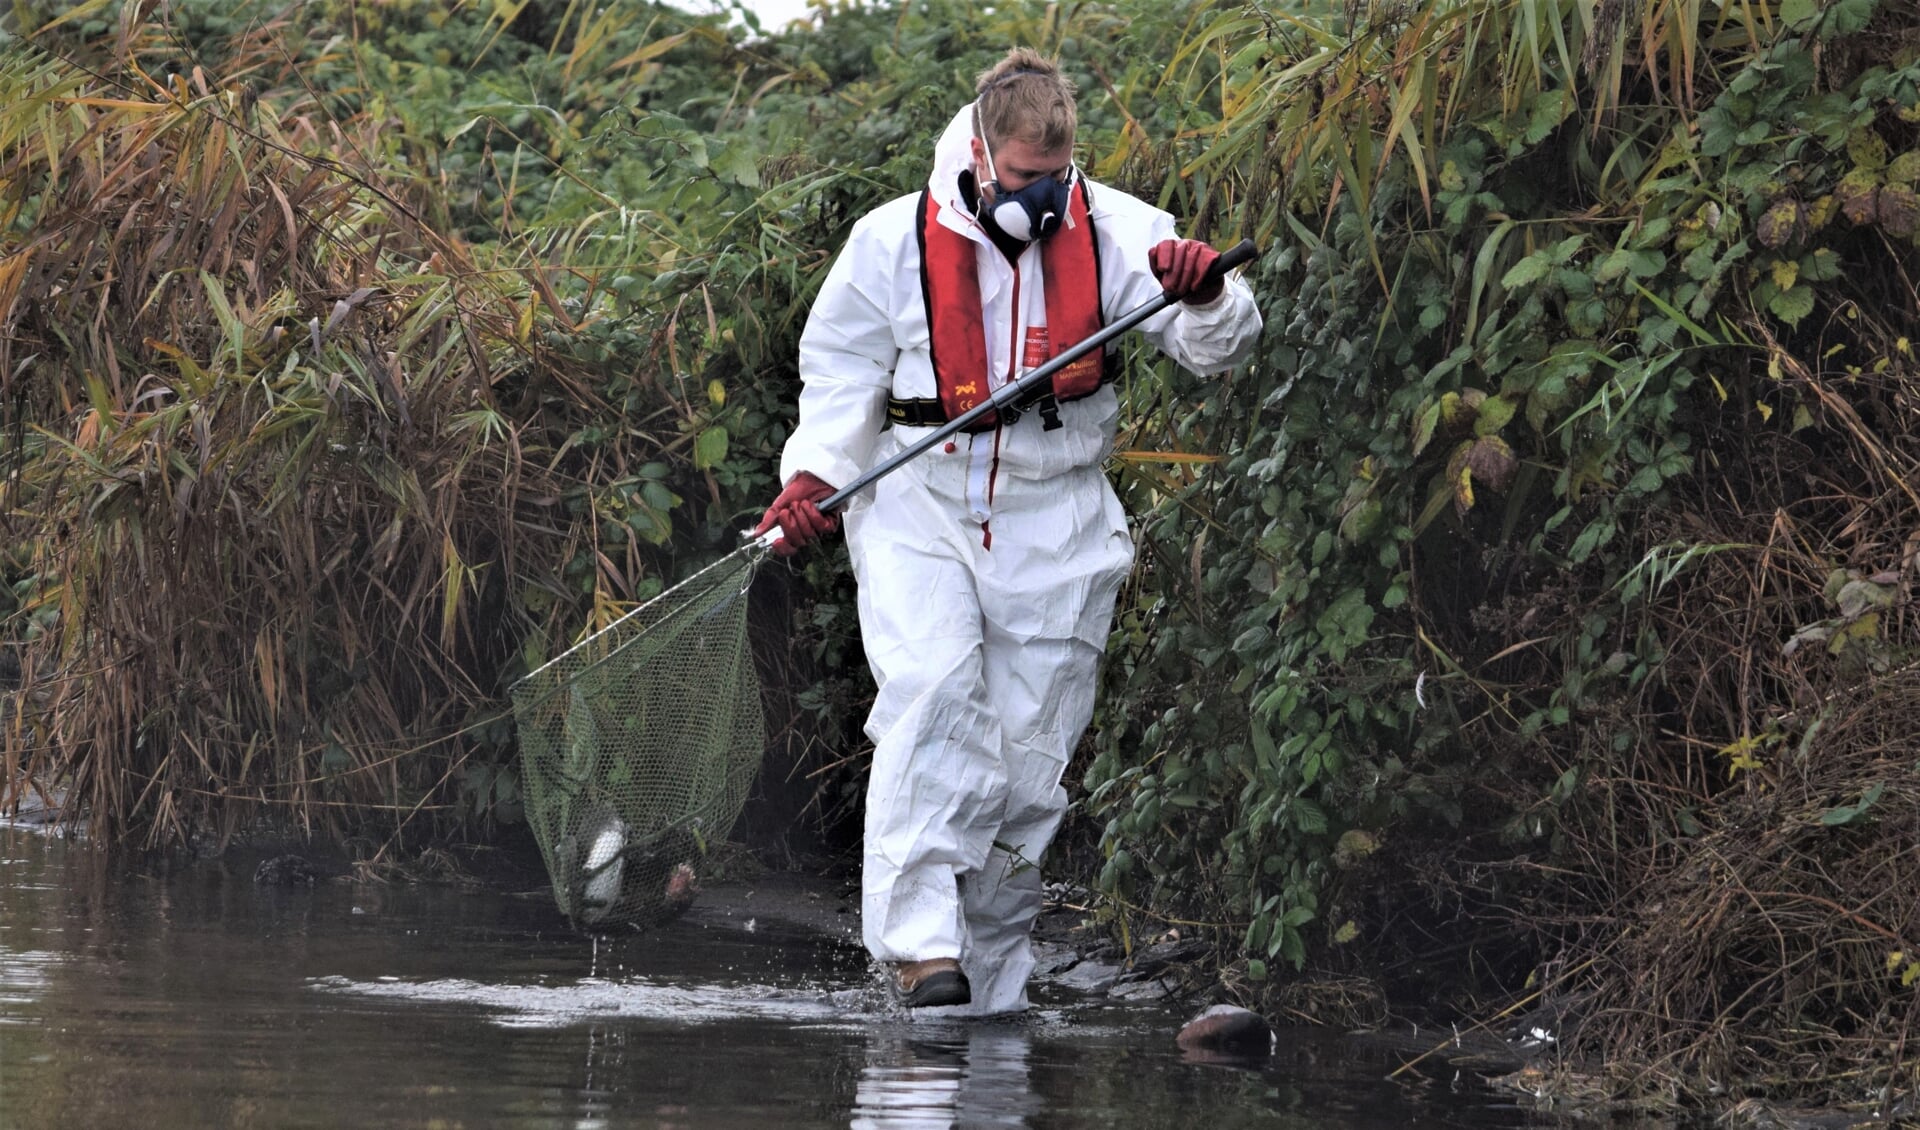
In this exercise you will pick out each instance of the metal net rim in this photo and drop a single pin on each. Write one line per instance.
(752, 553)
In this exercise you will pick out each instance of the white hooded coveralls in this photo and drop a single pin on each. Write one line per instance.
(985, 659)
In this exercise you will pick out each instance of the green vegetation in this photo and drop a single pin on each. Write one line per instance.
(1529, 617)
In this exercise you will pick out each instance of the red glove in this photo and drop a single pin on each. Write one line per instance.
(1181, 265)
(797, 512)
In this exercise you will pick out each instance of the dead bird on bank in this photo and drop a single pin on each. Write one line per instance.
(613, 876)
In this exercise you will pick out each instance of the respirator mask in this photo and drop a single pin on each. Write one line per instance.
(1031, 213)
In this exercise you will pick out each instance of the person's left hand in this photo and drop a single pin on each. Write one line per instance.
(1181, 265)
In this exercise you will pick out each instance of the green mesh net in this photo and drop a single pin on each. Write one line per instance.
(638, 745)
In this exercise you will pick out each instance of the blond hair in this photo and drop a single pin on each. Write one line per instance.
(1024, 97)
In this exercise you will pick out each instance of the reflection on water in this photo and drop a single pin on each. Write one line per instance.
(153, 1000)
(974, 1078)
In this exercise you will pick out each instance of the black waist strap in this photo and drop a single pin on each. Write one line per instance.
(928, 412)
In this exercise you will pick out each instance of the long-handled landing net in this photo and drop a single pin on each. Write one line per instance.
(638, 746)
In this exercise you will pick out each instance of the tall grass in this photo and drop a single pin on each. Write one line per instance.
(265, 449)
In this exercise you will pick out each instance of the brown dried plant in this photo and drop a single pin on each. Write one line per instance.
(269, 441)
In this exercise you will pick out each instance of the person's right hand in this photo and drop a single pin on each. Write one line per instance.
(797, 512)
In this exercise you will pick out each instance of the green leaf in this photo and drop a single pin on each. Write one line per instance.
(1293, 947)
(1845, 17)
(1263, 746)
(1646, 264)
(1361, 522)
(1596, 534)
(1564, 251)
(658, 496)
(1495, 411)
(1700, 263)
(1800, 12)
(710, 449)
(1845, 814)
(1616, 264)
(1820, 266)
(1550, 108)
(735, 163)
(1652, 233)
(1527, 271)
(1793, 305)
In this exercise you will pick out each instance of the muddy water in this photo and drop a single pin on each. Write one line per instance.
(133, 998)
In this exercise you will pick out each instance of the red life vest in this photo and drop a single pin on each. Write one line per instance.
(950, 285)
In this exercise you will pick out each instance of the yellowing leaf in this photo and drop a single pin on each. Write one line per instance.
(1858, 195)
(1743, 755)
(1179, 457)
(1779, 223)
(1899, 210)
(651, 51)
(1463, 490)
(1492, 462)
(1786, 272)
(1820, 212)
(1867, 148)
(1905, 169)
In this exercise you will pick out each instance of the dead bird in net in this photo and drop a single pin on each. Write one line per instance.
(638, 746)
(615, 874)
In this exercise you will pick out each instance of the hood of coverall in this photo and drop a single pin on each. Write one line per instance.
(953, 155)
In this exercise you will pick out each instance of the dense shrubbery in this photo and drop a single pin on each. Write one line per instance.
(1550, 609)
(1531, 612)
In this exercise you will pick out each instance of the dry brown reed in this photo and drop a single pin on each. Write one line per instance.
(1744, 910)
(271, 442)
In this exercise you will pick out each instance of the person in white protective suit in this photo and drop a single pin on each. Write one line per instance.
(988, 567)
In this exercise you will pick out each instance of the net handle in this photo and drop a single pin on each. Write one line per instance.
(1029, 386)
